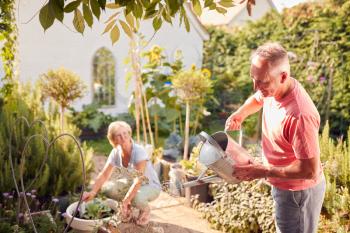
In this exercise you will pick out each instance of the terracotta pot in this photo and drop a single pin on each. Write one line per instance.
(84, 225)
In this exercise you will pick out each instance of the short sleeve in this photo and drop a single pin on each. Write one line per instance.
(140, 155)
(113, 158)
(259, 97)
(304, 136)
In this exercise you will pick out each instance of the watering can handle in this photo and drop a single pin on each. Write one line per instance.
(240, 139)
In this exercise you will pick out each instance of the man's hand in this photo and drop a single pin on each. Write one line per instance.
(250, 172)
(234, 121)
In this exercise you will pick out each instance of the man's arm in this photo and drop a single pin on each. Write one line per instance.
(299, 169)
(250, 106)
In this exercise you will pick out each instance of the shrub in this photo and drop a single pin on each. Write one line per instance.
(62, 171)
(245, 207)
(336, 158)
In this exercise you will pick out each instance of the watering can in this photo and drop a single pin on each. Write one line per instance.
(220, 152)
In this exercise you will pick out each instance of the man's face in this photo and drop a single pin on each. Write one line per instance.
(121, 136)
(262, 80)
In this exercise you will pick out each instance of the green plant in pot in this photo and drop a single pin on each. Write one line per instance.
(97, 209)
(93, 214)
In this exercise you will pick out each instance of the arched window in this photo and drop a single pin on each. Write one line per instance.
(103, 78)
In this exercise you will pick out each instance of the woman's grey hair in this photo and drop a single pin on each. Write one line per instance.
(114, 127)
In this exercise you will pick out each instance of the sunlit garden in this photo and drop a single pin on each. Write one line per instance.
(49, 148)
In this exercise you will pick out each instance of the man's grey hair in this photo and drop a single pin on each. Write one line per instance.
(275, 55)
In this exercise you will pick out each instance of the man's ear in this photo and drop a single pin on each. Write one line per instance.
(284, 76)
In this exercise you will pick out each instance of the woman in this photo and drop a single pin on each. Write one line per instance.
(127, 154)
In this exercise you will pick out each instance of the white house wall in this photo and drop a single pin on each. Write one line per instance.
(258, 11)
(60, 47)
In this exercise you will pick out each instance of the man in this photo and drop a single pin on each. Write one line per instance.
(290, 126)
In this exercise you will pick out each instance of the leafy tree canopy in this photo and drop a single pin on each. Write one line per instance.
(86, 11)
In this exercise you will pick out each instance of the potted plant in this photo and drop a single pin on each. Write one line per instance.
(193, 169)
(92, 214)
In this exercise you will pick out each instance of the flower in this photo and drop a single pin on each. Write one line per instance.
(322, 79)
(206, 73)
(55, 200)
(6, 195)
(33, 191)
(310, 79)
(28, 194)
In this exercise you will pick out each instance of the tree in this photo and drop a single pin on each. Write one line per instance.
(85, 11)
(63, 86)
(191, 86)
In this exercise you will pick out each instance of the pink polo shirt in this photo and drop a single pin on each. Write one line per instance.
(289, 132)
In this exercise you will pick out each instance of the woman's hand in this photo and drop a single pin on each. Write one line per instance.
(126, 207)
(88, 196)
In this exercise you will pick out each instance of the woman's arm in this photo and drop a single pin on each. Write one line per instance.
(140, 166)
(104, 175)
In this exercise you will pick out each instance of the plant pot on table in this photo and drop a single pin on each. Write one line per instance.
(202, 190)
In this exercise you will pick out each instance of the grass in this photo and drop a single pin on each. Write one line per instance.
(100, 146)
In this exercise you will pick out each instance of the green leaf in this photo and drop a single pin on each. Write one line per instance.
(88, 15)
(71, 6)
(57, 9)
(112, 5)
(112, 17)
(145, 3)
(157, 23)
(126, 28)
(138, 10)
(166, 16)
(78, 21)
(150, 14)
(187, 23)
(221, 10)
(46, 17)
(226, 3)
(197, 7)
(102, 4)
(171, 114)
(115, 34)
(130, 20)
(95, 6)
(207, 3)
(109, 26)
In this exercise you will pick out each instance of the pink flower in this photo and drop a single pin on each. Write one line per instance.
(310, 79)
(322, 79)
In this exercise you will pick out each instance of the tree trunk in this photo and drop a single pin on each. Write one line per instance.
(62, 118)
(147, 115)
(187, 130)
(134, 65)
(196, 122)
(143, 120)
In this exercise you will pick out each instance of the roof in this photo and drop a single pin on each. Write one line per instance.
(212, 17)
(196, 23)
